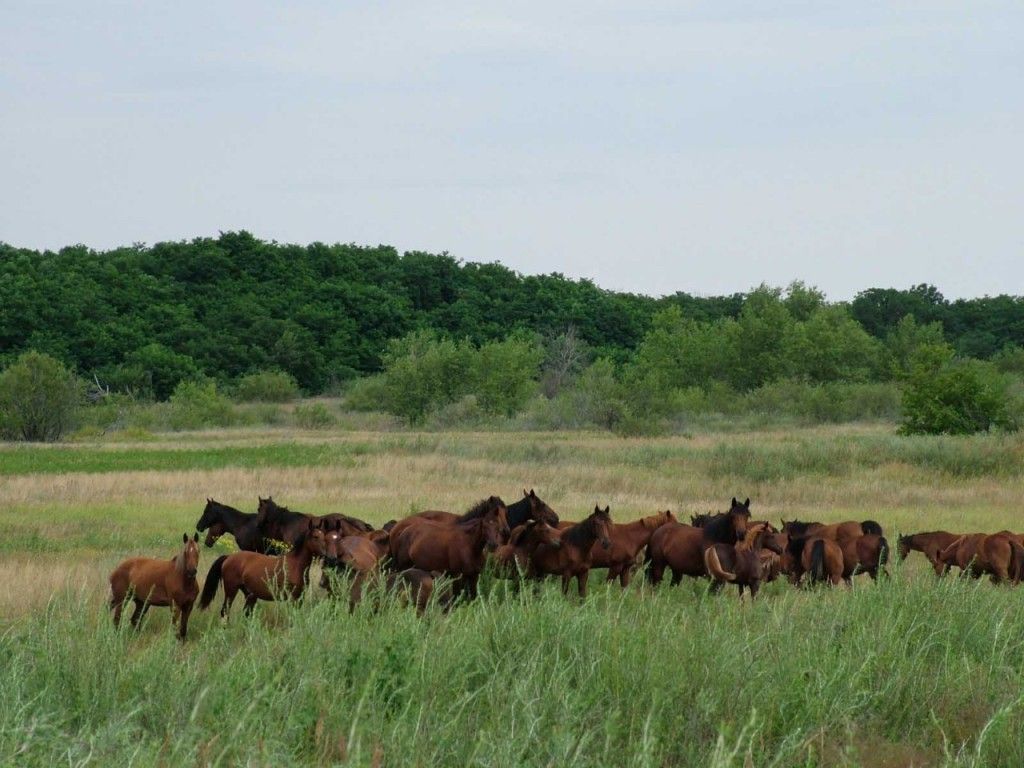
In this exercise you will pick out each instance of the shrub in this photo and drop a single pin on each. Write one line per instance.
(313, 416)
(198, 404)
(423, 373)
(506, 374)
(944, 396)
(39, 398)
(267, 387)
(367, 394)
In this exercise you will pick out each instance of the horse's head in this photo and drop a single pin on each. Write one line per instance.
(653, 522)
(775, 541)
(601, 520)
(903, 546)
(189, 555)
(211, 515)
(315, 539)
(213, 533)
(699, 521)
(739, 516)
(494, 526)
(497, 507)
(539, 510)
(542, 533)
(332, 538)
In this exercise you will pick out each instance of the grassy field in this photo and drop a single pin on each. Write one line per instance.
(909, 672)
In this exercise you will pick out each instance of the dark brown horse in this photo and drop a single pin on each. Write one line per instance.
(1000, 555)
(456, 548)
(478, 510)
(572, 558)
(867, 554)
(628, 539)
(148, 581)
(838, 532)
(282, 524)
(264, 577)
(930, 544)
(680, 548)
(218, 519)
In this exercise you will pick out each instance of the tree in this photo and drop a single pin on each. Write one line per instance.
(506, 374)
(155, 369)
(564, 356)
(831, 346)
(38, 398)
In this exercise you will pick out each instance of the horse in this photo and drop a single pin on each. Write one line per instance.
(742, 563)
(351, 553)
(218, 519)
(530, 507)
(149, 581)
(821, 558)
(512, 559)
(282, 524)
(930, 544)
(627, 540)
(572, 559)
(478, 510)
(999, 554)
(838, 532)
(412, 584)
(264, 577)
(680, 547)
(869, 555)
(456, 548)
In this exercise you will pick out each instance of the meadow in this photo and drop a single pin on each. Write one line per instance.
(911, 671)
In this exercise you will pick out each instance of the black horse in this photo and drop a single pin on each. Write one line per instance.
(219, 519)
(280, 523)
(727, 527)
(530, 507)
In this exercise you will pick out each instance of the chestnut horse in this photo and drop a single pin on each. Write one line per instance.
(264, 577)
(480, 509)
(930, 544)
(282, 524)
(456, 548)
(821, 558)
(742, 563)
(148, 581)
(838, 532)
(218, 519)
(680, 547)
(351, 553)
(513, 559)
(999, 554)
(572, 558)
(627, 541)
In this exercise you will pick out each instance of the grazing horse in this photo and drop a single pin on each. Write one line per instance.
(930, 544)
(680, 547)
(513, 559)
(627, 541)
(999, 554)
(411, 584)
(264, 577)
(572, 559)
(838, 532)
(742, 564)
(148, 581)
(219, 519)
(456, 548)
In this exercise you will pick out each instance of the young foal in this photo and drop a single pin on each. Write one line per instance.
(148, 582)
(263, 577)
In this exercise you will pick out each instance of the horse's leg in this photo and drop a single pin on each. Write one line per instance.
(581, 582)
(185, 611)
(141, 606)
(175, 613)
(230, 590)
(677, 576)
(566, 581)
(250, 603)
(624, 576)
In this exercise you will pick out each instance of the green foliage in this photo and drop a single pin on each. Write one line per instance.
(954, 397)
(267, 387)
(506, 374)
(198, 404)
(39, 398)
(313, 416)
(906, 338)
(830, 346)
(152, 370)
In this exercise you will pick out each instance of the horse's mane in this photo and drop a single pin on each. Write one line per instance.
(581, 532)
(699, 521)
(481, 508)
(799, 528)
(521, 507)
(795, 545)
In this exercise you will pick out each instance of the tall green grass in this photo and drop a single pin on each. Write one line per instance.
(909, 670)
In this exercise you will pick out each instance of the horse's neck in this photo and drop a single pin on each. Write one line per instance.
(582, 536)
(234, 518)
(299, 559)
(518, 513)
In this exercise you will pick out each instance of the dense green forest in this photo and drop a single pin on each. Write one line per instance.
(146, 317)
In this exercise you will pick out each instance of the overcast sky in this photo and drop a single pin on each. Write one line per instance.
(653, 147)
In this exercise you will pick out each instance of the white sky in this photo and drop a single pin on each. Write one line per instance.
(653, 147)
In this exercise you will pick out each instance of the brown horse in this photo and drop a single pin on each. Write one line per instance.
(264, 577)
(218, 519)
(492, 504)
(513, 559)
(1000, 555)
(351, 553)
(680, 548)
(148, 581)
(282, 524)
(572, 559)
(930, 544)
(838, 532)
(819, 557)
(867, 554)
(411, 584)
(741, 564)
(456, 548)
(627, 541)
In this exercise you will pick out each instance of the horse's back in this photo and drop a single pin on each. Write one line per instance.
(143, 576)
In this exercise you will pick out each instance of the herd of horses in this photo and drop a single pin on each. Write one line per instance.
(524, 541)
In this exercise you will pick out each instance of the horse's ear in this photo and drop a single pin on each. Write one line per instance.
(734, 502)
(747, 503)
(195, 537)
(184, 538)
(532, 494)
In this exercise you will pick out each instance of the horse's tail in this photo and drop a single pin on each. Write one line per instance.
(818, 571)
(883, 551)
(714, 565)
(212, 582)
(870, 526)
(1016, 561)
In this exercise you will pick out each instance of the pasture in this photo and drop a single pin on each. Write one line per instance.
(910, 671)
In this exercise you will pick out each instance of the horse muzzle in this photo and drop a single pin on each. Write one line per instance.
(191, 572)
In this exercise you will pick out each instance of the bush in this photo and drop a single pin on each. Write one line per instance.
(367, 394)
(313, 416)
(267, 387)
(944, 396)
(39, 398)
(506, 374)
(198, 404)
